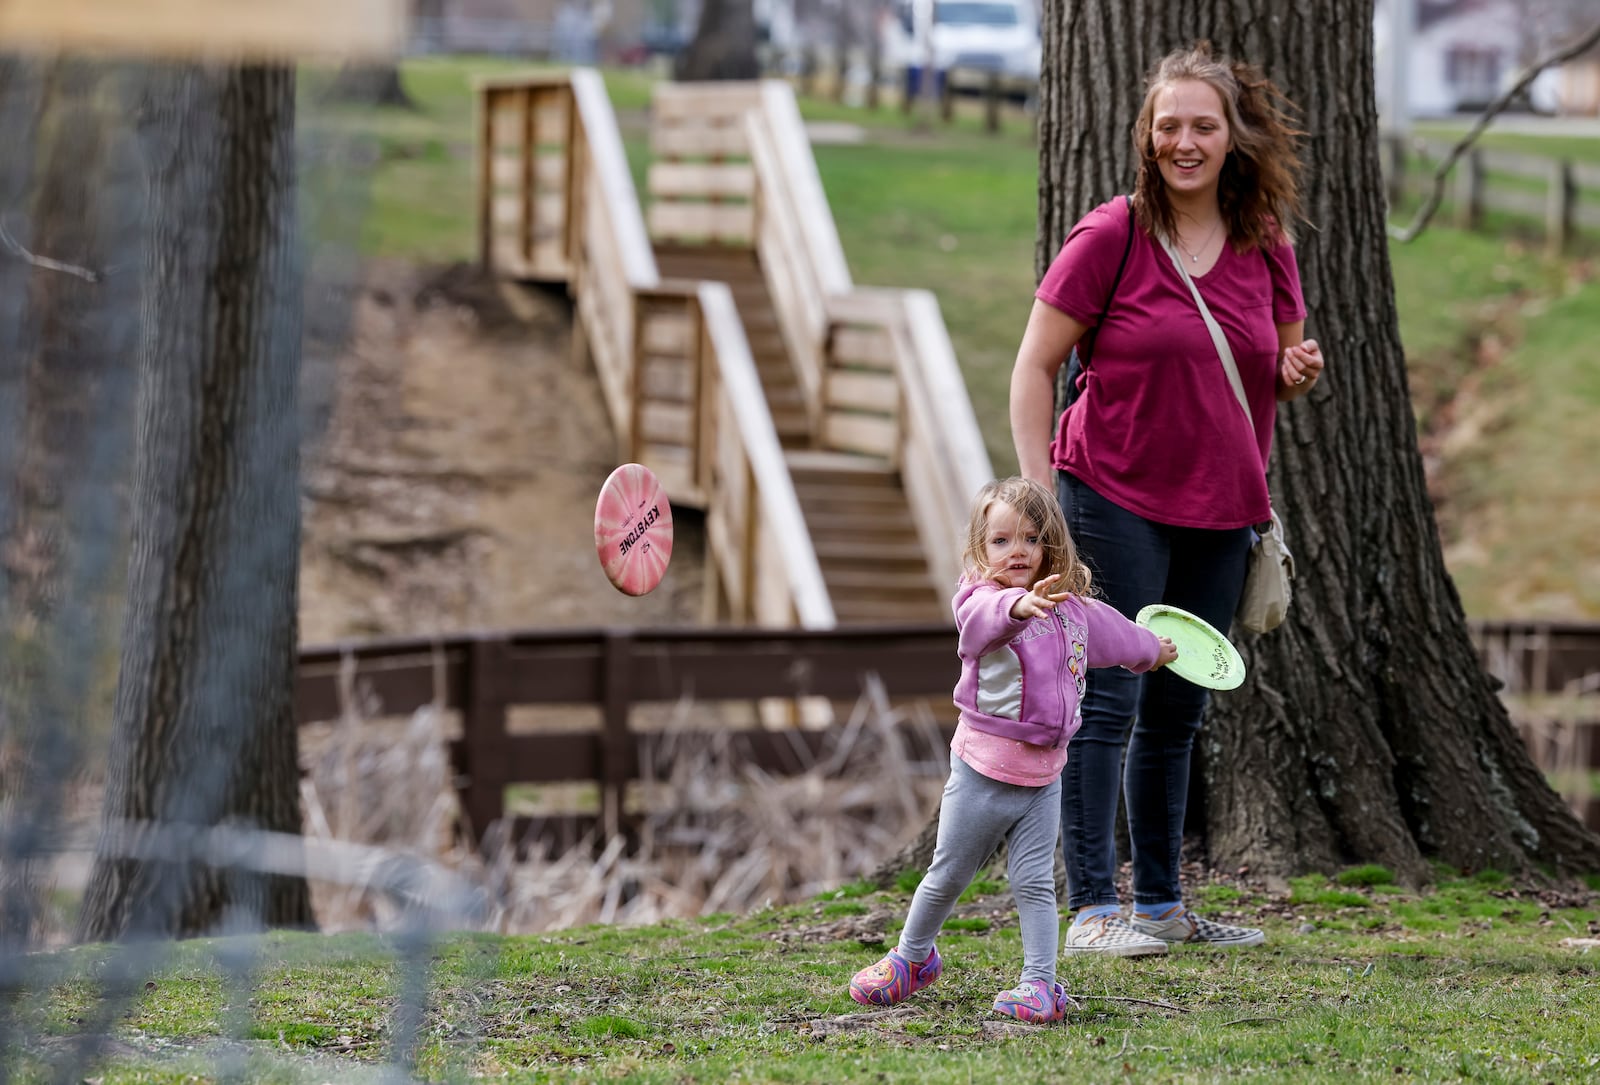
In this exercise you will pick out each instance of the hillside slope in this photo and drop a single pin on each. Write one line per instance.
(455, 485)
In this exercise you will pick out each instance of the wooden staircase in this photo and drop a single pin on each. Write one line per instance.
(866, 540)
(740, 268)
(823, 428)
(855, 506)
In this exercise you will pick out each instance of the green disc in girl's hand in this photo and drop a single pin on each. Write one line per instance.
(1204, 655)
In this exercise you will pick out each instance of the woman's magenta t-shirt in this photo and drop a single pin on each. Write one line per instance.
(1157, 428)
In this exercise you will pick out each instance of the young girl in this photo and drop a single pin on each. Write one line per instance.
(1024, 647)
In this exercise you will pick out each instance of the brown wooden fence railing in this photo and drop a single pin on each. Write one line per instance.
(1560, 193)
(483, 676)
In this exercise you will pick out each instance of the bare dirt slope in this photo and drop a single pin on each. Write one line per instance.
(454, 486)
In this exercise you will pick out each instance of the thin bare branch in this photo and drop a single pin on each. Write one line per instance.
(15, 248)
(1436, 194)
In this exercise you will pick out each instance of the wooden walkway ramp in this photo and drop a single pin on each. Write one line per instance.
(824, 428)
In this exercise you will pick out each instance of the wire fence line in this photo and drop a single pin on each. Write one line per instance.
(78, 264)
(75, 294)
(726, 839)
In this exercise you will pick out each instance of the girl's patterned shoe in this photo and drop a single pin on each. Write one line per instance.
(894, 979)
(1035, 1001)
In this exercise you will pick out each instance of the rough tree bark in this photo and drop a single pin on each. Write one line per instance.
(67, 328)
(1367, 731)
(204, 731)
(724, 45)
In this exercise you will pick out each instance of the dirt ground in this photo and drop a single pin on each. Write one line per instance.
(454, 484)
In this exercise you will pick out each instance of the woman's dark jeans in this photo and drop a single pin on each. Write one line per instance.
(1137, 562)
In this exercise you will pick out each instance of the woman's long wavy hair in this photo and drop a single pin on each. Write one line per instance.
(1259, 188)
(1038, 506)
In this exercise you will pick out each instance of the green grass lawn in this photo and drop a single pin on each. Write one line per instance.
(1584, 149)
(1494, 333)
(1359, 980)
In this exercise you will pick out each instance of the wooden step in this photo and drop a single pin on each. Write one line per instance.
(865, 500)
(819, 464)
(786, 395)
(775, 371)
(719, 263)
(849, 488)
(827, 523)
(732, 276)
(849, 550)
(888, 506)
(792, 423)
(863, 612)
(758, 318)
(767, 342)
(852, 580)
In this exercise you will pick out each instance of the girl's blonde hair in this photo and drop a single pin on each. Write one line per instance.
(1036, 505)
(1259, 189)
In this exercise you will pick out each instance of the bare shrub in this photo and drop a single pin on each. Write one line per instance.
(716, 834)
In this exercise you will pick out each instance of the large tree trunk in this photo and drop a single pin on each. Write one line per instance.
(67, 331)
(1367, 731)
(724, 45)
(204, 731)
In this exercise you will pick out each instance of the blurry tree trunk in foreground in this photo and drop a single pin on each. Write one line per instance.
(724, 45)
(204, 730)
(68, 327)
(1367, 731)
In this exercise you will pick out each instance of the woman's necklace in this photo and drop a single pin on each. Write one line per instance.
(1194, 256)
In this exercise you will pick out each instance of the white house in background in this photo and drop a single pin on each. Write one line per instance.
(1460, 55)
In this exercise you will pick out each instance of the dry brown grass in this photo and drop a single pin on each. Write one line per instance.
(716, 835)
(1560, 731)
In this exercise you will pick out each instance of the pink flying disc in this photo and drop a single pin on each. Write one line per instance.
(633, 529)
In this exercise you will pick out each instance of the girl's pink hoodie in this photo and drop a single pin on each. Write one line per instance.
(1023, 679)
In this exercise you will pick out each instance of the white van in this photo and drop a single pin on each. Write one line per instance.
(968, 38)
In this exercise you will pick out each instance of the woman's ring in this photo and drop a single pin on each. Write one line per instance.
(1302, 379)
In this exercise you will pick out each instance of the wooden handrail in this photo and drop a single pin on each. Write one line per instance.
(780, 518)
(798, 295)
(935, 362)
(826, 253)
(610, 163)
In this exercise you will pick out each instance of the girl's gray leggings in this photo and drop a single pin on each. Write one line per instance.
(976, 814)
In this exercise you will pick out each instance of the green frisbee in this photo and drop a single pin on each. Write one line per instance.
(1204, 655)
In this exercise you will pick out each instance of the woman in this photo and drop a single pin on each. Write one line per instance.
(1161, 475)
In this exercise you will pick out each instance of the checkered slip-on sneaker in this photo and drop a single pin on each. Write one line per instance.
(1035, 1002)
(1181, 925)
(1111, 936)
(894, 979)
